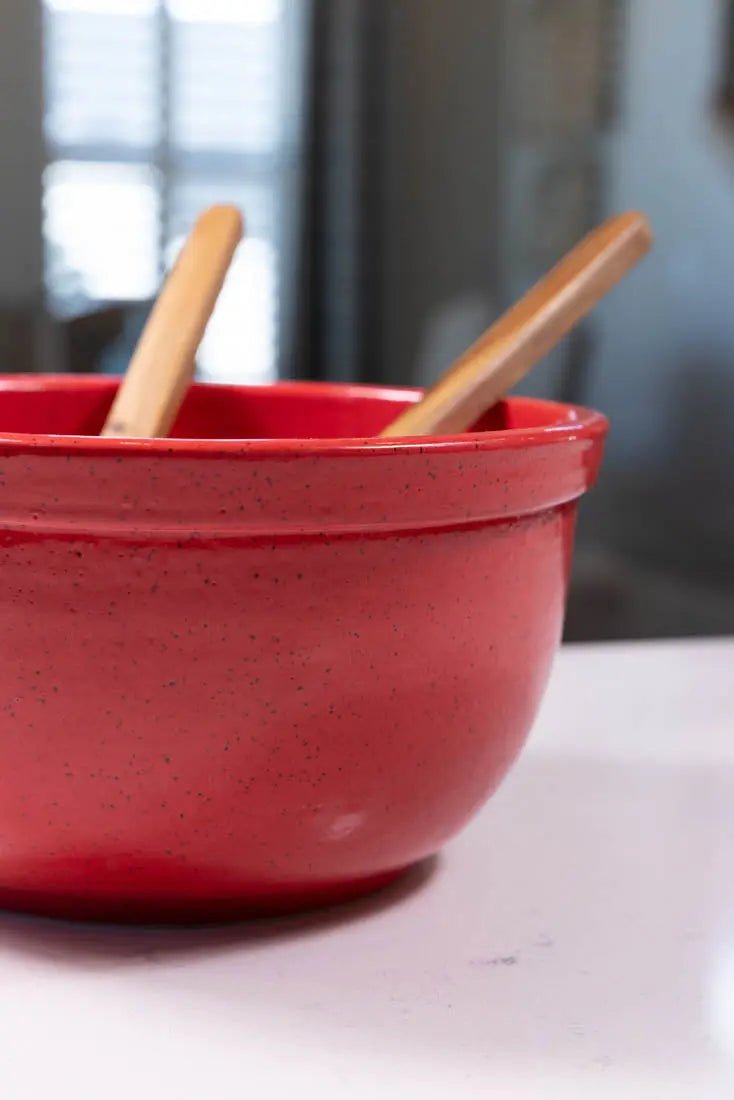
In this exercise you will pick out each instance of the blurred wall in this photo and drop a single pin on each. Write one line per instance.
(665, 366)
(21, 141)
(441, 181)
(493, 160)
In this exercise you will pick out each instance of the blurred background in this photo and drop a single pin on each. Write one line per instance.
(407, 168)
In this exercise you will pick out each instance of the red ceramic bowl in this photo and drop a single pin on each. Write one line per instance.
(247, 670)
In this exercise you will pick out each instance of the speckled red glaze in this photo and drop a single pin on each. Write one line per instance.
(254, 674)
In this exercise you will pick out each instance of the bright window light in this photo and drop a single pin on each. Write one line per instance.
(101, 225)
(242, 12)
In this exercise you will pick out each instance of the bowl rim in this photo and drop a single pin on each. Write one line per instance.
(566, 424)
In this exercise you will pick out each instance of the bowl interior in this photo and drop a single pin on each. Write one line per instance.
(69, 406)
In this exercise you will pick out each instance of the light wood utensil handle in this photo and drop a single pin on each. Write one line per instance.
(162, 366)
(513, 346)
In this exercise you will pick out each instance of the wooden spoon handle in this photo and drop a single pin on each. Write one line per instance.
(163, 363)
(513, 346)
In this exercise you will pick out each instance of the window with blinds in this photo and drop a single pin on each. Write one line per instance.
(155, 109)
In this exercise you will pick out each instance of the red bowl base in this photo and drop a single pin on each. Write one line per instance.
(268, 901)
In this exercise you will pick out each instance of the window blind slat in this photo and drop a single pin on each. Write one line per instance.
(115, 180)
(224, 87)
(102, 78)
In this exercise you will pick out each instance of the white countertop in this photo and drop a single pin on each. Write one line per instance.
(576, 942)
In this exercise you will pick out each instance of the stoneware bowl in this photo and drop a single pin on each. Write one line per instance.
(271, 662)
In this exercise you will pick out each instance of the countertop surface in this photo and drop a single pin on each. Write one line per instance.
(576, 942)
